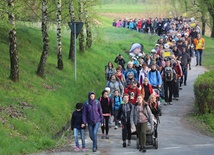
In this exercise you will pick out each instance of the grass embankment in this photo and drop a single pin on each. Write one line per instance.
(33, 110)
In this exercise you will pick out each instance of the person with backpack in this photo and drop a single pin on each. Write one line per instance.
(93, 115)
(114, 84)
(116, 102)
(106, 105)
(76, 126)
(124, 114)
(168, 79)
(154, 77)
(199, 48)
(140, 116)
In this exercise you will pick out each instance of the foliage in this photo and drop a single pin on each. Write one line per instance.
(204, 90)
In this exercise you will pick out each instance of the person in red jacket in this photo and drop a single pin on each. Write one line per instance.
(133, 91)
(146, 89)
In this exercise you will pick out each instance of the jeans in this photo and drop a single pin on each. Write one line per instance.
(82, 135)
(93, 129)
(198, 54)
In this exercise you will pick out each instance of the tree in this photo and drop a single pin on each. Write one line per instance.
(14, 61)
(59, 42)
(72, 39)
(81, 35)
(210, 7)
(44, 56)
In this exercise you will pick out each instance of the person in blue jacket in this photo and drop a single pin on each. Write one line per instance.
(154, 77)
(92, 114)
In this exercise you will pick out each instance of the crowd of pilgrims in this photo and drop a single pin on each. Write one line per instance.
(136, 88)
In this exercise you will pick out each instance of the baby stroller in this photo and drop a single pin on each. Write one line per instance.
(151, 136)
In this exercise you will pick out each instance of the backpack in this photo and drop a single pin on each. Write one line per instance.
(168, 74)
(100, 99)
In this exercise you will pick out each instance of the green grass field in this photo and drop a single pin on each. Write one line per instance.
(33, 110)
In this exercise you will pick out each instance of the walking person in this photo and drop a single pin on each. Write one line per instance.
(106, 105)
(124, 114)
(168, 79)
(77, 127)
(140, 116)
(116, 102)
(92, 114)
(199, 48)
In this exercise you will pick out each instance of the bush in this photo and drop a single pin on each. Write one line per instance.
(204, 93)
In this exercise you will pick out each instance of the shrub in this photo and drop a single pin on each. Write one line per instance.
(204, 93)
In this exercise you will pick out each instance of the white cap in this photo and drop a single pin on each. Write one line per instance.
(130, 63)
(107, 88)
(166, 46)
(153, 51)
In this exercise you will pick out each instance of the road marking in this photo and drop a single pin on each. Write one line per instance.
(169, 148)
(202, 145)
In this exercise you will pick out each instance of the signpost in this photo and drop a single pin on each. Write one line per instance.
(75, 29)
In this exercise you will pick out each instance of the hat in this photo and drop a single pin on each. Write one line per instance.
(107, 89)
(130, 63)
(166, 46)
(186, 34)
(79, 106)
(153, 51)
(157, 45)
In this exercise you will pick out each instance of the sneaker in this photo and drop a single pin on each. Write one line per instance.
(83, 149)
(170, 103)
(165, 103)
(129, 143)
(107, 137)
(115, 127)
(185, 84)
(176, 98)
(94, 149)
(144, 150)
(102, 136)
(77, 149)
(124, 144)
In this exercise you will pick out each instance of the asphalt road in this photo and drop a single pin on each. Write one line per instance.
(175, 134)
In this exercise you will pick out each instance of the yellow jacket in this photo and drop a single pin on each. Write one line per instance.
(199, 43)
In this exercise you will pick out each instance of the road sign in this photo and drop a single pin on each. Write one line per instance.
(75, 27)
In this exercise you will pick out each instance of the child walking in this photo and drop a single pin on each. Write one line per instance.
(116, 101)
(76, 126)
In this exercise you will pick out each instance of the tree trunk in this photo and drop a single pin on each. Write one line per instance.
(81, 35)
(72, 39)
(88, 31)
(44, 56)
(14, 60)
(59, 34)
(203, 25)
(212, 29)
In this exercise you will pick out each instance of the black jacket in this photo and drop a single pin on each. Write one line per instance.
(76, 120)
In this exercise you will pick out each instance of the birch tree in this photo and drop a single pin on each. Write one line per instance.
(81, 35)
(14, 60)
(44, 56)
(59, 40)
(72, 41)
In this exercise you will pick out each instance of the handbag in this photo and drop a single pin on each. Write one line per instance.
(133, 128)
